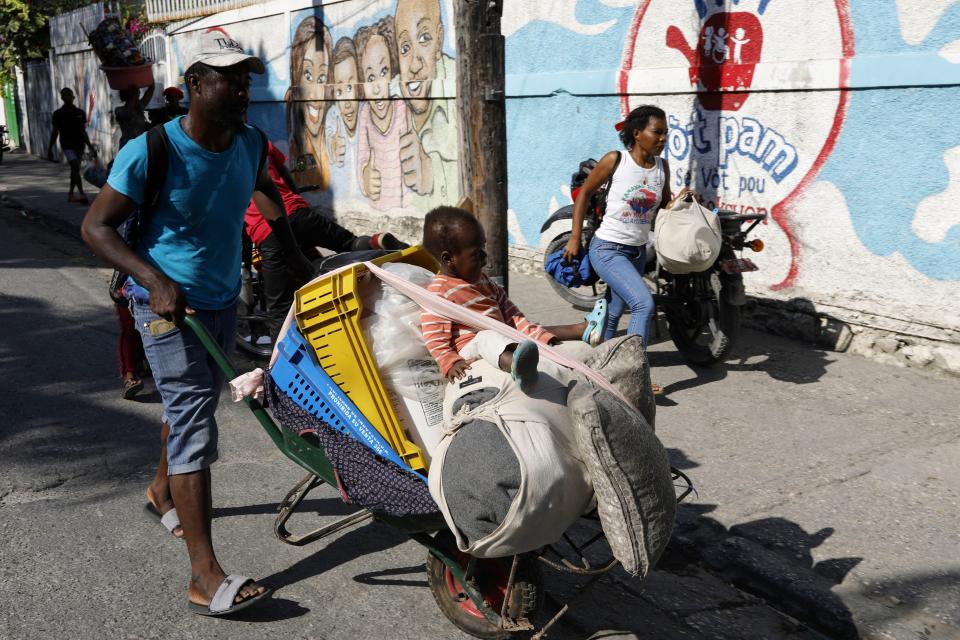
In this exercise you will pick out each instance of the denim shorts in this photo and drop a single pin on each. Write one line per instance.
(188, 380)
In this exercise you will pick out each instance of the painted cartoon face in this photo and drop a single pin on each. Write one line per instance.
(345, 92)
(653, 138)
(419, 42)
(376, 75)
(313, 77)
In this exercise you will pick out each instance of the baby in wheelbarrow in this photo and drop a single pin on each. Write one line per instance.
(519, 461)
(455, 238)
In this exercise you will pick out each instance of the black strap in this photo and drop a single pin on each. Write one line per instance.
(263, 148)
(602, 204)
(158, 152)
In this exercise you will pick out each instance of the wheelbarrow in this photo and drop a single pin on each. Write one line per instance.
(486, 598)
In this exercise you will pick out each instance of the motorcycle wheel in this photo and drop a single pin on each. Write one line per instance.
(704, 331)
(582, 298)
(253, 337)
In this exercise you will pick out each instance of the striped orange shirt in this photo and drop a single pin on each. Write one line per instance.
(445, 338)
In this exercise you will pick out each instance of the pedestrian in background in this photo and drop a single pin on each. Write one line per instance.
(170, 109)
(69, 124)
(129, 347)
(130, 115)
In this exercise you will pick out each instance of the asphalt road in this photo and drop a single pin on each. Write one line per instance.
(828, 493)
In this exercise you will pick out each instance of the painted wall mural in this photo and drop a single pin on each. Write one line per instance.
(798, 112)
(360, 96)
(836, 117)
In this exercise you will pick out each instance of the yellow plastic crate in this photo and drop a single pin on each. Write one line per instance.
(328, 314)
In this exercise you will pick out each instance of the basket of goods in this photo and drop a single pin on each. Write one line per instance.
(119, 56)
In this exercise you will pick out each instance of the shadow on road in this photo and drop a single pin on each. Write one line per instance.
(353, 544)
(770, 557)
(58, 363)
(319, 506)
(780, 358)
(384, 579)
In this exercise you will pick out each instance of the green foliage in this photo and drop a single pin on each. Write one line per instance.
(25, 30)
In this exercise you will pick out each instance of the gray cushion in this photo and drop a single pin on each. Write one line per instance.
(623, 361)
(631, 476)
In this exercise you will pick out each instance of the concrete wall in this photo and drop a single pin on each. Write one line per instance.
(843, 131)
(842, 127)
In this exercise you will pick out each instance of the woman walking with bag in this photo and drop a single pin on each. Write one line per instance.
(639, 185)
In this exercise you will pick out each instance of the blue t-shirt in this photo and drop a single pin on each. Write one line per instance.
(193, 235)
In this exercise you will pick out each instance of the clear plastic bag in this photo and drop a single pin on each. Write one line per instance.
(391, 326)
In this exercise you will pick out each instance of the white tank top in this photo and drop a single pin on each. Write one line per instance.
(632, 202)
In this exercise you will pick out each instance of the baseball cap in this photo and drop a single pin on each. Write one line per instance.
(218, 49)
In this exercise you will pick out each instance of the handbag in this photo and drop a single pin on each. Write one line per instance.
(688, 238)
(96, 174)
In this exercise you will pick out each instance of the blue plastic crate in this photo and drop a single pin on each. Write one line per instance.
(299, 376)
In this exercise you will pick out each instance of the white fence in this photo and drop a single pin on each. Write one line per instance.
(166, 10)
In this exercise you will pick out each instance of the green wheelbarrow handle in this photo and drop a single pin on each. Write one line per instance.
(309, 457)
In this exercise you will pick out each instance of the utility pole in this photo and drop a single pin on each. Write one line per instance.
(483, 123)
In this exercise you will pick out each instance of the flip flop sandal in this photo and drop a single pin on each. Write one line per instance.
(596, 323)
(131, 387)
(170, 520)
(526, 358)
(222, 603)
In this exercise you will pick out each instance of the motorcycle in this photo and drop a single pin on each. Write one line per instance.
(702, 310)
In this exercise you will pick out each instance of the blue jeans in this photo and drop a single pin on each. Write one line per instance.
(621, 267)
(188, 380)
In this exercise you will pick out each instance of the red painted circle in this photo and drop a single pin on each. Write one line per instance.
(779, 210)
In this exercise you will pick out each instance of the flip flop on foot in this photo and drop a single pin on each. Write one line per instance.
(596, 323)
(131, 387)
(170, 520)
(526, 358)
(223, 601)
(657, 389)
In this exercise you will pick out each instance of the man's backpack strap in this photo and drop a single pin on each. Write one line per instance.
(158, 152)
(263, 147)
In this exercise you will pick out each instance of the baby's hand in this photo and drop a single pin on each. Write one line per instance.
(458, 370)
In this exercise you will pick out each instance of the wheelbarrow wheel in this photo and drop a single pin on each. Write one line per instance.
(492, 576)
